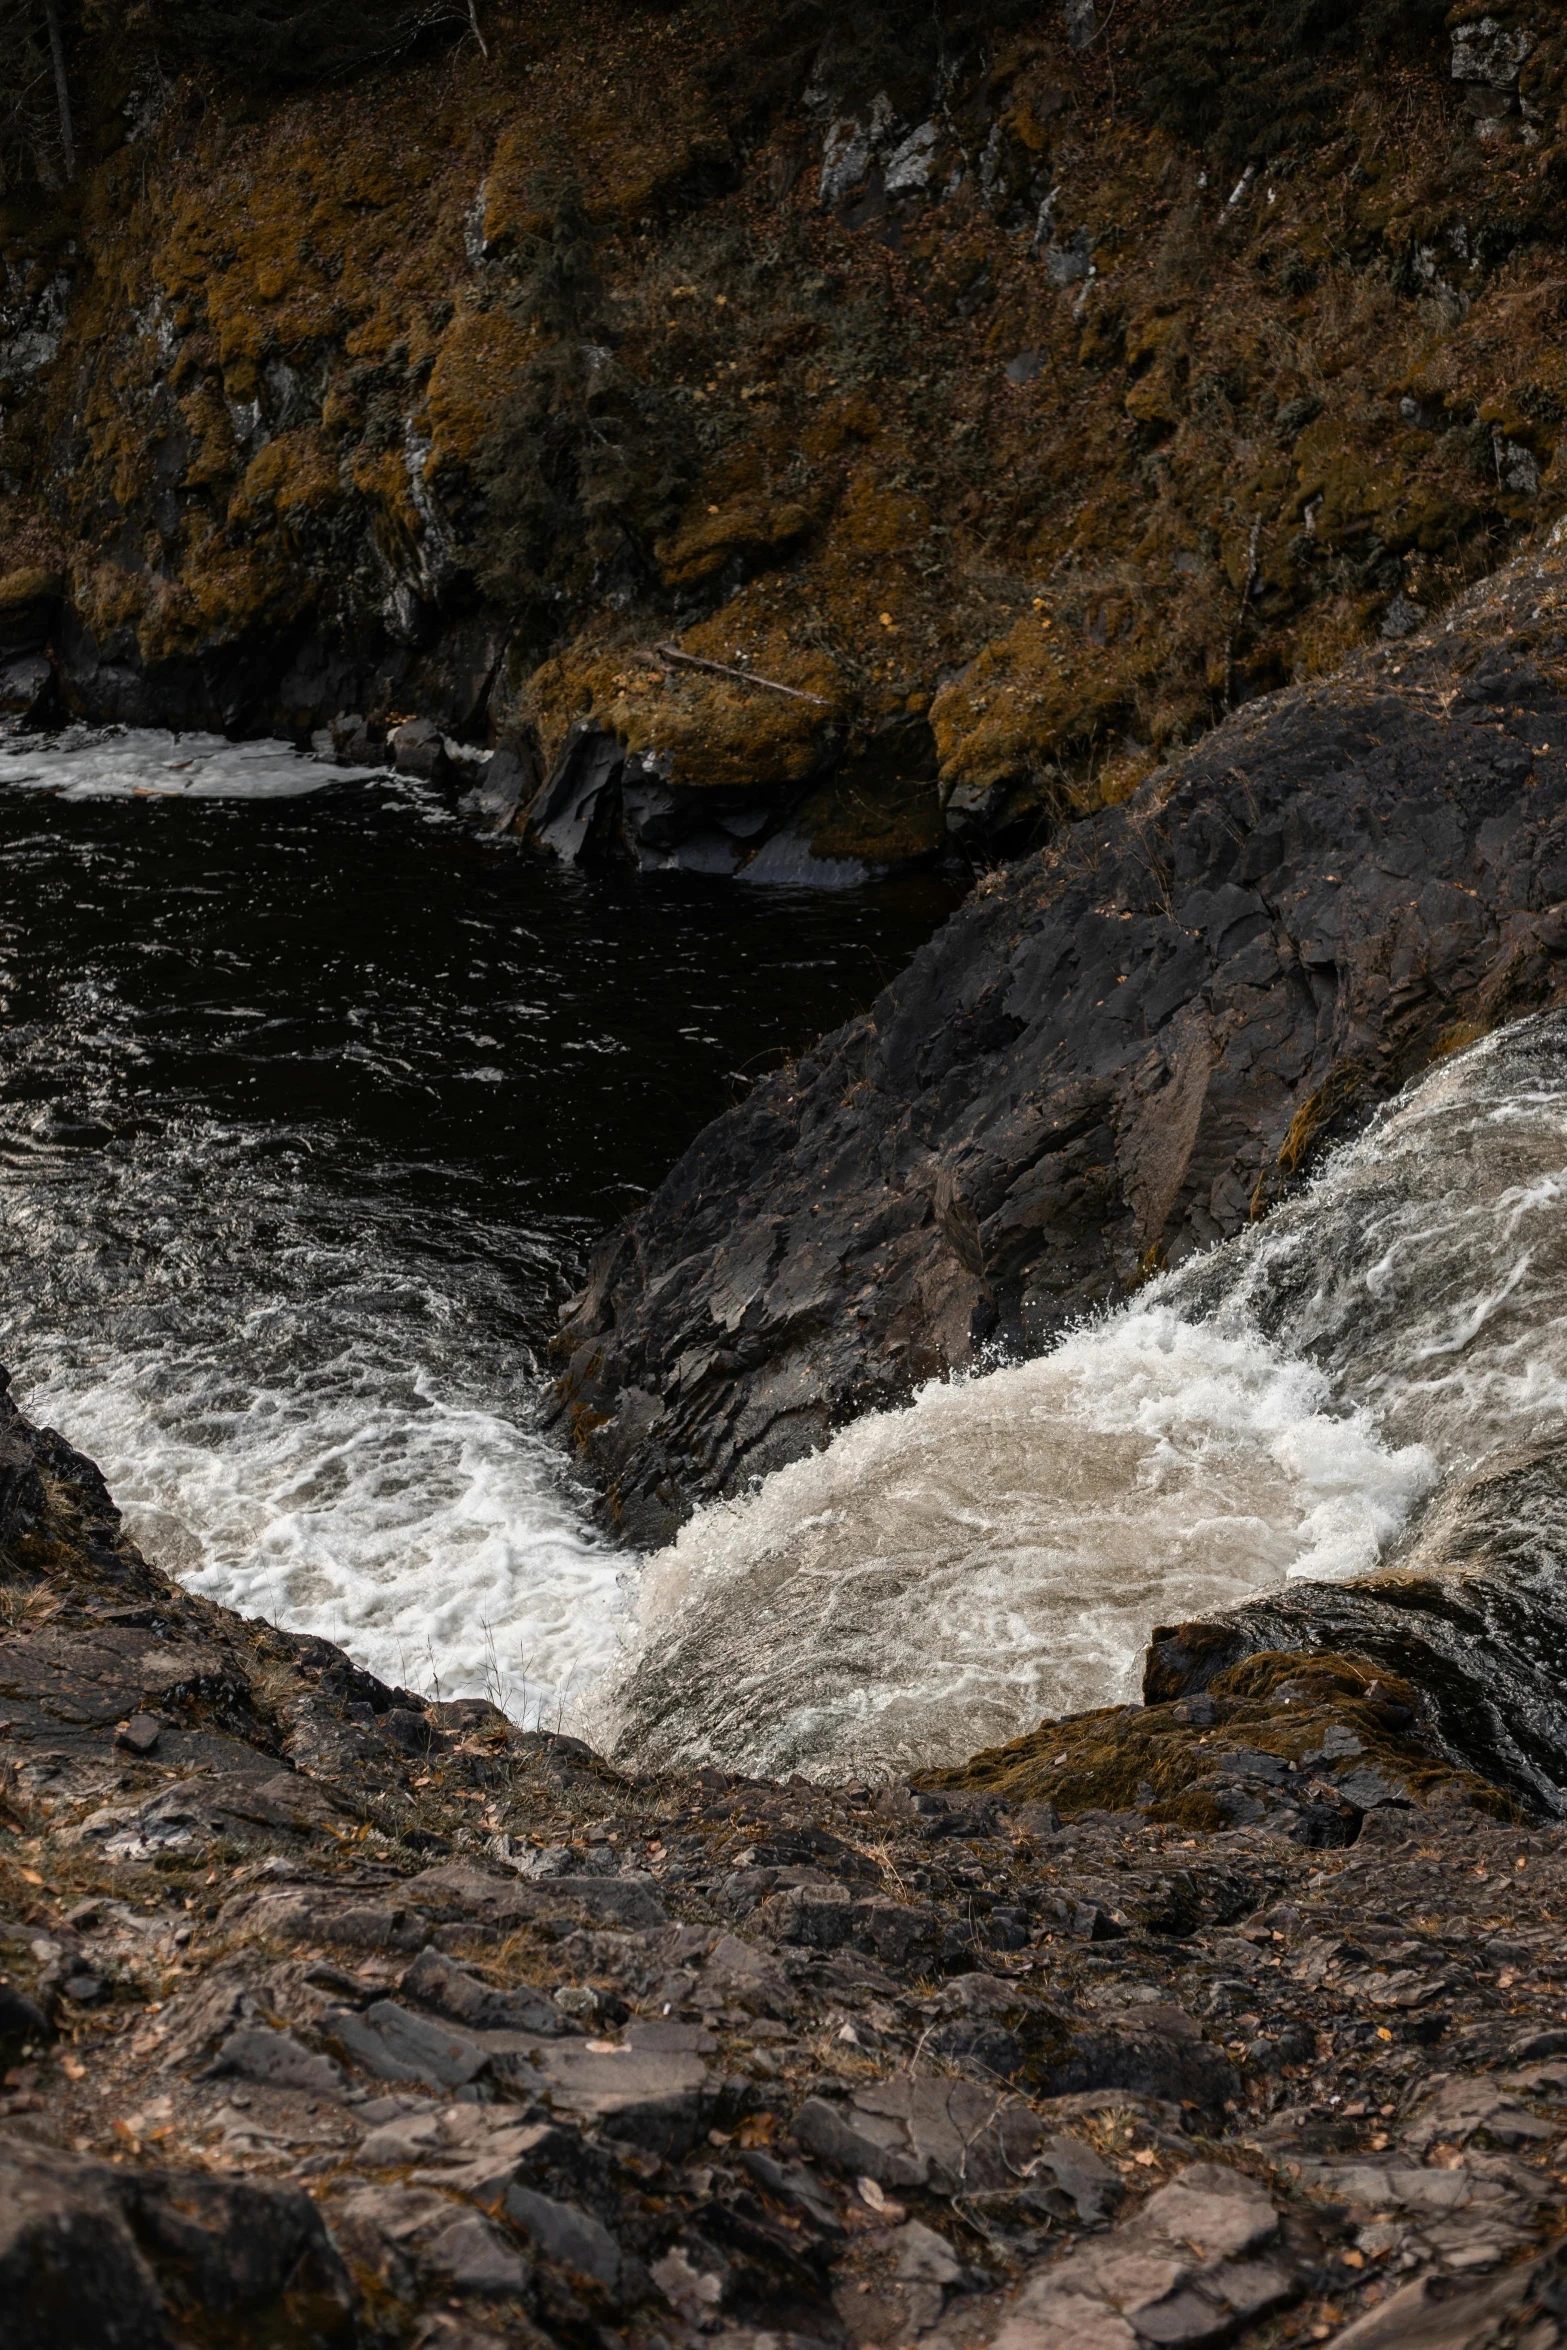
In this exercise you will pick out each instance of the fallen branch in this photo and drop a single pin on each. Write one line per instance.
(746, 676)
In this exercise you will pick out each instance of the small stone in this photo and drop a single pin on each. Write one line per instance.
(576, 1999)
(140, 1734)
(923, 2257)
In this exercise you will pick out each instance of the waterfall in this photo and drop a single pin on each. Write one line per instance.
(1321, 1398)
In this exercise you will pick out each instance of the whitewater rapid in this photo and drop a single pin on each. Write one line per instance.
(307, 1389)
(1301, 1402)
(308, 1106)
(312, 1095)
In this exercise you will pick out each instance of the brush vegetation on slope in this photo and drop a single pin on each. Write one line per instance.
(1028, 403)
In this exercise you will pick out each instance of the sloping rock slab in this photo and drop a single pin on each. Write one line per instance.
(97, 1678)
(1109, 1056)
(458, 1895)
(1198, 2261)
(952, 2137)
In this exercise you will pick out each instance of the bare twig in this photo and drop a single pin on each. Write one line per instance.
(1247, 585)
(746, 676)
(61, 87)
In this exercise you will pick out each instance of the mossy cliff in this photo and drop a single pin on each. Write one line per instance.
(1023, 389)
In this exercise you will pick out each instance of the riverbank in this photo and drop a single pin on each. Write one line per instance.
(891, 450)
(334, 2016)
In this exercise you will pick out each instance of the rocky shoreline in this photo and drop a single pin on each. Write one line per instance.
(333, 2016)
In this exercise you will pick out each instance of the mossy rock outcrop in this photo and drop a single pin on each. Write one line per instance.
(854, 385)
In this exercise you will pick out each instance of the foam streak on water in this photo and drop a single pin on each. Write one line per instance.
(114, 763)
(312, 1094)
(1296, 1403)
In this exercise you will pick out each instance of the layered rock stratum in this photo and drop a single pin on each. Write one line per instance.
(332, 2016)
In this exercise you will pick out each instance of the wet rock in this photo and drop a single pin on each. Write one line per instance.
(418, 748)
(509, 779)
(28, 689)
(1007, 1142)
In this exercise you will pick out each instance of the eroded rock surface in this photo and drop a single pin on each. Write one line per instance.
(1117, 1052)
(381, 2023)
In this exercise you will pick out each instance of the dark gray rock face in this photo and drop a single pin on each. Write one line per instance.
(600, 804)
(128, 2259)
(1112, 1055)
(282, 682)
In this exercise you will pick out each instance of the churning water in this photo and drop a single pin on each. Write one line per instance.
(1311, 1399)
(310, 1099)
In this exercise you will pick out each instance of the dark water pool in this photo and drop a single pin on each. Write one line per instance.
(310, 1103)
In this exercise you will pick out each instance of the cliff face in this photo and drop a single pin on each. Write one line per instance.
(1020, 388)
(1120, 1050)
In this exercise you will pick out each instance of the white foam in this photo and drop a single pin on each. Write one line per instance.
(151, 763)
(998, 1549)
(435, 1540)
(1280, 1409)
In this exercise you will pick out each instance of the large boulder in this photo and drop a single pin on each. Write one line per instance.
(1117, 1052)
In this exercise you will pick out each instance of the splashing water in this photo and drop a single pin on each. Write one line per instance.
(310, 1097)
(1299, 1402)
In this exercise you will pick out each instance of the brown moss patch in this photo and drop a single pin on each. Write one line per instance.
(1041, 685)
(748, 529)
(1162, 1760)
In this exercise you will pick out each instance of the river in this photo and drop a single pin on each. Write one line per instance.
(312, 1097)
